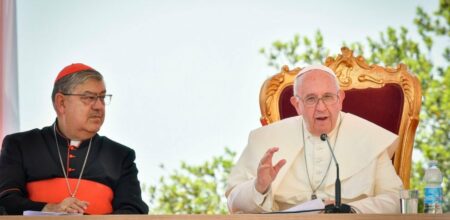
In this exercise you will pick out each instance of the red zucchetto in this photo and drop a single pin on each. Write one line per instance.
(73, 68)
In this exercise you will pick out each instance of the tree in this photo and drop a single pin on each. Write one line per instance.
(394, 47)
(193, 189)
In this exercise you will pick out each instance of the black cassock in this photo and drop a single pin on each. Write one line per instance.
(31, 174)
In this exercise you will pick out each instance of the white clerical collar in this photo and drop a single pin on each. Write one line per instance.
(75, 143)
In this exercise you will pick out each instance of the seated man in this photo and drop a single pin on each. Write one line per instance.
(68, 167)
(304, 169)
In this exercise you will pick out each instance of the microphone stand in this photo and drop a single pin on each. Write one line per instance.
(337, 207)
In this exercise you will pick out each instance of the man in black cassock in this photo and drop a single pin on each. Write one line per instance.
(68, 167)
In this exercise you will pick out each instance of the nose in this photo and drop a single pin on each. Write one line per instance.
(320, 105)
(98, 104)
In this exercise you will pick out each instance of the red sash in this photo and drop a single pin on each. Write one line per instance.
(55, 190)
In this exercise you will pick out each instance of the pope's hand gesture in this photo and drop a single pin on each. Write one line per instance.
(267, 173)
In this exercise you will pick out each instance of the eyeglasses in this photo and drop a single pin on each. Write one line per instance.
(327, 99)
(89, 99)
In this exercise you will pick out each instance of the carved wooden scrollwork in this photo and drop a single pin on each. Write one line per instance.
(272, 89)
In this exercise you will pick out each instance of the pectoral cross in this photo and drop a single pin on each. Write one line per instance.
(313, 196)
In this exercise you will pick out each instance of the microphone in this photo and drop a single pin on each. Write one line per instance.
(337, 207)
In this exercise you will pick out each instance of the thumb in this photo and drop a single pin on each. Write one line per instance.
(279, 165)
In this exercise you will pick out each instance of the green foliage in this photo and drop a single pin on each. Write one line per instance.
(193, 189)
(394, 47)
(433, 135)
(290, 52)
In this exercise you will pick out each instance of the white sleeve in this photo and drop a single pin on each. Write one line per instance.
(244, 198)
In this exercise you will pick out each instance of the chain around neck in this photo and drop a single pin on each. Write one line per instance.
(69, 189)
(314, 189)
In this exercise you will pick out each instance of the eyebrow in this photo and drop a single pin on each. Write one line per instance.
(94, 93)
(312, 94)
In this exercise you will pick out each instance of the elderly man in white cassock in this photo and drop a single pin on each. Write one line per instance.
(286, 163)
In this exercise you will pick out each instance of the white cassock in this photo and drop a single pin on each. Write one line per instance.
(369, 182)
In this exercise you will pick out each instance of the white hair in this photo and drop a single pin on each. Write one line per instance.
(314, 67)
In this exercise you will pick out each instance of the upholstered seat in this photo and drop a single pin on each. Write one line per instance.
(389, 97)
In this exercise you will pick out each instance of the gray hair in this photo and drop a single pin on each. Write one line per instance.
(310, 68)
(69, 82)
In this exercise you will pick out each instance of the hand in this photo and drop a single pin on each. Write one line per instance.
(328, 202)
(267, 173)
(69, 205)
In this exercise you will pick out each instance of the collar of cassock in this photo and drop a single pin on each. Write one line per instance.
(67, 141)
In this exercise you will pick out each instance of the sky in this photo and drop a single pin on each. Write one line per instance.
(185, 75)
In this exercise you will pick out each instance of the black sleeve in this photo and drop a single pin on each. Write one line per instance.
(13, 194)
(127, 193)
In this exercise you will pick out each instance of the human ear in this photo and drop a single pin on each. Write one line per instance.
(59, 103)
(341, 96)
(295, 102)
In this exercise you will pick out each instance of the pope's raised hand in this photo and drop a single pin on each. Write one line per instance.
(266, 172)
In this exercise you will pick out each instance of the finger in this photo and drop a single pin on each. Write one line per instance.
(75, 211)
(64, 205)
(70, 210)
(267, 158)
(82, 204)
(279, 165)
(78, 208)
(66, 202)
(328, 202)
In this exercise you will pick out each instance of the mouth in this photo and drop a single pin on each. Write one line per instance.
(96, 117)
(322, 118)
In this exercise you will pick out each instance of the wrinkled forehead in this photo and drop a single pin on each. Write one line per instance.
(317, 82)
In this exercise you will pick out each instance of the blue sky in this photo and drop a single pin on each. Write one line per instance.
(185, 75)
